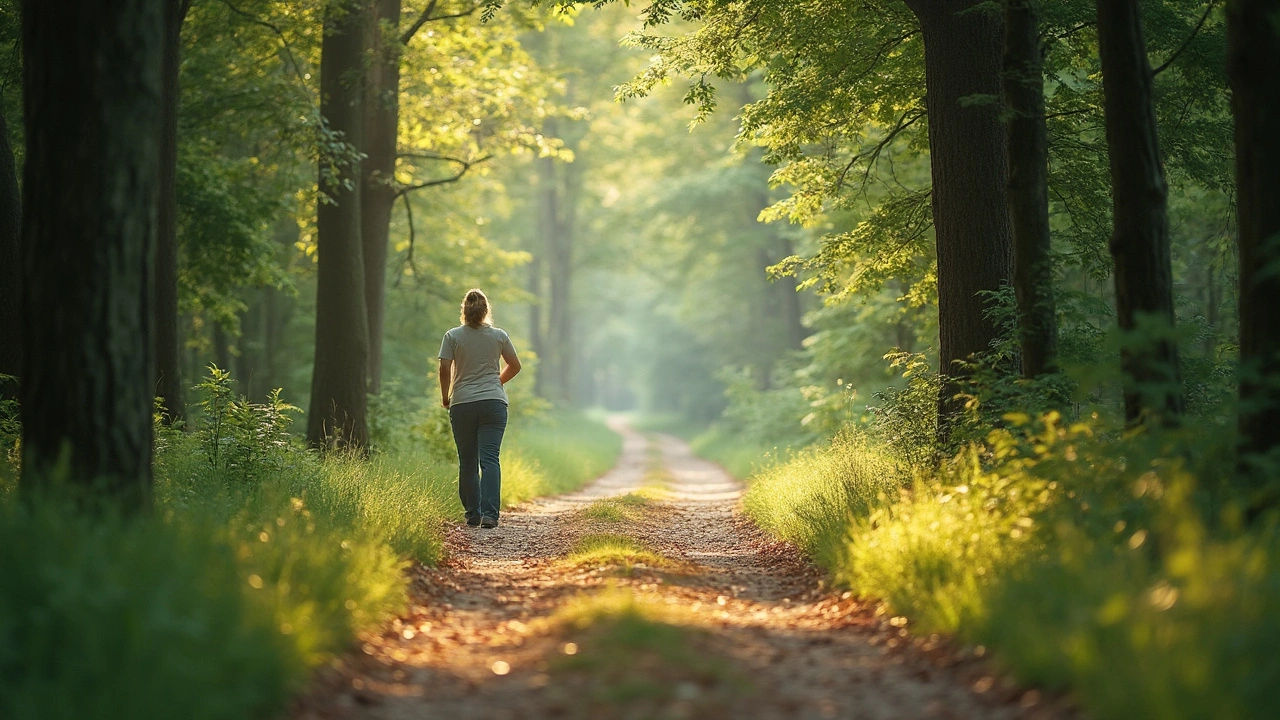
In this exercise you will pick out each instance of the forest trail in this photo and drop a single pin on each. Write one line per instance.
(712, 620)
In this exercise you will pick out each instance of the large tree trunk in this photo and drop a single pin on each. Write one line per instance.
(1140, 237)
(1253, 67)
(968, 155)
(556, 230)
(92, 85)
(1029, 188)
(377, 195)
(167, 363)
(10, 272)
(338, 413)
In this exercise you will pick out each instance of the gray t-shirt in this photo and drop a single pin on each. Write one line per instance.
(475, 353)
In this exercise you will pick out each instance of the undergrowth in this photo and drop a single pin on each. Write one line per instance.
(260, 561)
(1113, 564)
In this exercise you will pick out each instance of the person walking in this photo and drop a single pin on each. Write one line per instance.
(471, 388)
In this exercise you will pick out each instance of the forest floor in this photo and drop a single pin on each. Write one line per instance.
(648, 594)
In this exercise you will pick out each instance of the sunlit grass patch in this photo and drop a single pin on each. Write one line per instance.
(620, 551)
(555, 454)
(218, 603)
(810, 499)
(621, 508)
(640, 657)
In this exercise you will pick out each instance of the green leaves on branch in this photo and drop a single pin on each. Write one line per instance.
(243, 439)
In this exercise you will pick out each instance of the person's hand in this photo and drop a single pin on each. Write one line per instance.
(444, 403)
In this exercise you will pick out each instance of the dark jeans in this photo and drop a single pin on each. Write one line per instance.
(477, 431)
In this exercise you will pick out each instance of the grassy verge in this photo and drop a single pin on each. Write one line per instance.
(556, 454)
(218, 603)
(1112, 566)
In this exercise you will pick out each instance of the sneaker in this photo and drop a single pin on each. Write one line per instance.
(489, 522)
(474, 522)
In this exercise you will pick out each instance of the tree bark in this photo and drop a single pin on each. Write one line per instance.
(560, 275)
(1028, 190)
(1140, 236)
(1253, 68)
(968, 149)
(92, 86)
(338, 412)
(167, 360)
(377, 194)
(10, 272)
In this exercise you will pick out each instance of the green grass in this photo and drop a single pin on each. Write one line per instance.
(220, 602)
(810, 499)
(635, 654)
(1109, 565)
(614, 550)
(619, 509)
(555, 454)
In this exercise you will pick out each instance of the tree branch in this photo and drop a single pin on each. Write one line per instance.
(466, 165)
(408, 258)
(1195, 31)
(426, 17)
(288, 51)
(909, 117)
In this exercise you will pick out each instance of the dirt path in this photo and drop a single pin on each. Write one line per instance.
(731, 624)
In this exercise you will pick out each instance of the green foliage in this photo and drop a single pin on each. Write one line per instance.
(214, 606)
(557, 454)
(809, 498)
(10, 428)
(906, 419)
(261, 561)
(240, 438)
(1113, 564)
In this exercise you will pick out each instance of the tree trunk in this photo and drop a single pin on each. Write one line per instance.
(1253, 67)
(555, 228)
(338, 417)
(377, 195)
(10, 273)
(1028, 188)
(560, 320)
(168, 375)
(1140, 237)
(533, 284)
(92, 86)
(968, 155)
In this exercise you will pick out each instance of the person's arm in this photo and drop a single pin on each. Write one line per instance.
(446, 378)
(512, 364)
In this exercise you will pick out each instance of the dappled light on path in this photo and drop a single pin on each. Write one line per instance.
(648, 595)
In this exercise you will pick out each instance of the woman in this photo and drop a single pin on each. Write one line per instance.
(477, 404)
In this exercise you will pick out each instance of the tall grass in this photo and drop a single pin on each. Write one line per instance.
(554, 454)
(1111, 565)
(218, 603)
